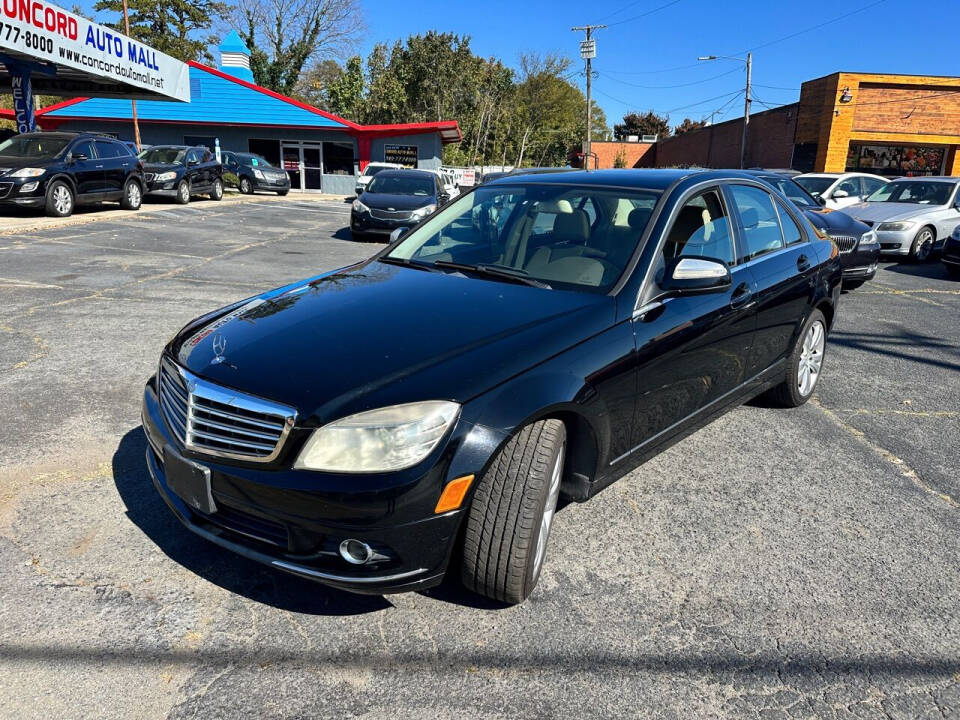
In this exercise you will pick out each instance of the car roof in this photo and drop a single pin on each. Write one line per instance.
(641, 179)
(401, 172)
(924, 178)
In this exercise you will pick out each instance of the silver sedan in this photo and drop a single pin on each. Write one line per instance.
(912, 216)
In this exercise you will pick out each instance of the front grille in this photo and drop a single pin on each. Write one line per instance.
(5, 189)
(845, 243)
(218, 421)
(390, 214)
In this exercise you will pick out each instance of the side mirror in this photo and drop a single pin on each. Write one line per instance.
(692, 276)
(820, 200)
(398, 233)
(78, 157)
(839, 194)
(192, 163)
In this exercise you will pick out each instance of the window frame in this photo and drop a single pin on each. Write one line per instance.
(719, 188)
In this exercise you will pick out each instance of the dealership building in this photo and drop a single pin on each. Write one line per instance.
(890, 125)
(320, 151)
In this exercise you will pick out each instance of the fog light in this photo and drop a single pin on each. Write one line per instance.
(28, 187)
(356, 552)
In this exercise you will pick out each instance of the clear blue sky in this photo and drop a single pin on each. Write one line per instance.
(891, 36)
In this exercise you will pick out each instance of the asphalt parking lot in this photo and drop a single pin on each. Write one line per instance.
(777, 564)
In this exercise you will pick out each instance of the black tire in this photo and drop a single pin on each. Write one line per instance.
(505, 522)
(60, 200)
(217, 192)
(183, 193)
(132, 196)
(246, 187)
(922, 246)
(281, 193)
(852, 284)
(789, 393)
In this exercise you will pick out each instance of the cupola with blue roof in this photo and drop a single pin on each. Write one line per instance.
(235, 57)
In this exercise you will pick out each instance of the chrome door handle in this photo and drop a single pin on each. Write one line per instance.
(98, 167)
(803, 263)
(741, 296)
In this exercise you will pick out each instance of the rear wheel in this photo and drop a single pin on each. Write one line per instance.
(217, 192)
(804, 364)
(922, 245)
(183, 192)
(512, 513)
(60, 200)
(132, 196)
(246, 187)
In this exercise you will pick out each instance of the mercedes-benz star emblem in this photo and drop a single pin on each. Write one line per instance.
(219, 347)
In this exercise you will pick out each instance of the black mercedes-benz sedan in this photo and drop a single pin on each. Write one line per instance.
(394, 199)
(858, 244)
(540, 336)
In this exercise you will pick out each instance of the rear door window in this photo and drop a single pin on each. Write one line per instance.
(762, 233)
(107, 149)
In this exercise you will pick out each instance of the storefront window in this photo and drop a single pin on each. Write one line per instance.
(895, 160)
(338, 158)
(269, 149)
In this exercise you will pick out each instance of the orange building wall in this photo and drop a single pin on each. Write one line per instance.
(636, 154)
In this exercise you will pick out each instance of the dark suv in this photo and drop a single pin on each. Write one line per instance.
(249, 172)
(58, 171)
(181, 171)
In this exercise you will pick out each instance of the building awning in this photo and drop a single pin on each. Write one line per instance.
(71, 56)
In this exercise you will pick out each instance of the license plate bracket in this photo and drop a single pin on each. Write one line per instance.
(190, 481)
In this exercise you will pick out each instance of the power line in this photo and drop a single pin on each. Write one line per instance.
(812, 27)
(643, 15)
(657, 72)
(776, 87)
(625, 7)
(676, 109)
(671, 87)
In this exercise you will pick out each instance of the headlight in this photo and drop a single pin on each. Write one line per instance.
(258, 174)
(422, 212)
(390, 438)
(165, 177)
(896, 226)
(27, 172)
(868, 238)
(359, 206)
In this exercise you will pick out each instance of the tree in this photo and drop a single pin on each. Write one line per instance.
(283, 35)
(345, 94)
(620, 161)
(687, 125)
(178, 28)
(314, 82)
(599, 130)
(649, 123)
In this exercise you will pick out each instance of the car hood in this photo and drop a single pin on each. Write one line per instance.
(874, 212)
(162, 167)
(15, 162)
(377, 334)
(381, 201)
(834, 222)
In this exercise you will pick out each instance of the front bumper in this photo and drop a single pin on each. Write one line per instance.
(12, 195)
(896, 243)
(272, 185)
(286, 519)
(860, 263)
(363, 222)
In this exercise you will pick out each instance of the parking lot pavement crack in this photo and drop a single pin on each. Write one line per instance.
(899, 463)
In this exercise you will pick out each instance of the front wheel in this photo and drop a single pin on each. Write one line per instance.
(246, 187)
(282, 193)
(217, 192)
(804, 364)
(922, 245)
(60, 200)
(132, 196)
(183, 192)
(512, 512)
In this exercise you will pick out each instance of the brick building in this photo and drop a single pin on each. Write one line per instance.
(885, 124)
(634, 154)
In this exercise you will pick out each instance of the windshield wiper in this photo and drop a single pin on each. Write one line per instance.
(515, 275)
(406, 262)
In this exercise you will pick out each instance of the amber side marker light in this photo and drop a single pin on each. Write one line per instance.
(453, 494)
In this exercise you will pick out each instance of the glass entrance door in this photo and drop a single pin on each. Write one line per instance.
(293, 164)
(312, 168)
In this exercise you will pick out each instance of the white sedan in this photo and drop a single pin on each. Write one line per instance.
(840, 190)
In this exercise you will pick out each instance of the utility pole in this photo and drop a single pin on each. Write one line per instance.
(746, 114)
(746, 99)
(588, 51)
(133, 103)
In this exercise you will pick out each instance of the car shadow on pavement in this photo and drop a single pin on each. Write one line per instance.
(904, 346)
(933, 269)
(232, 572)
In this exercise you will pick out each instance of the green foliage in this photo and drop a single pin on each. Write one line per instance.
(687, 125)
(345, 94)
(648, 123)
(620, 161)
(178, 28)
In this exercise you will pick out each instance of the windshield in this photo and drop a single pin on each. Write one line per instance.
(372, 170)
(796, 194)
(816, 186)
(908, 191)
(33, 146)
(163, 156)
(254, 160)
(579, 238)
(401, 185)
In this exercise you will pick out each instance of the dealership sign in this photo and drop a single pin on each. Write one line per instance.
(38, 32)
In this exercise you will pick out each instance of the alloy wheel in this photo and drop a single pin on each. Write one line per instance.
(811, 358)
(62, 200)
(133, 195)
(184, 192)
(549, 510)
(924, 245)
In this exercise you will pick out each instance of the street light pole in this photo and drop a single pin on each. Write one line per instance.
(588, 51)
(747, 100)
(133, 103)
